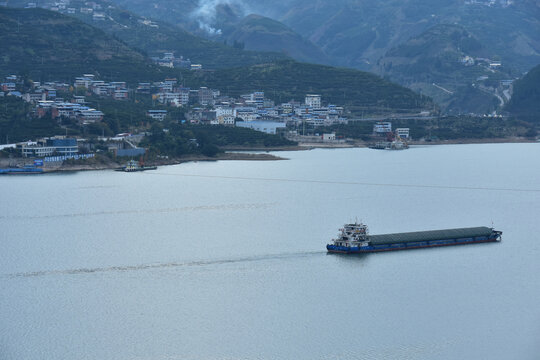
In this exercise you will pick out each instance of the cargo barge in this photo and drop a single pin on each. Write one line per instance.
(355, 238)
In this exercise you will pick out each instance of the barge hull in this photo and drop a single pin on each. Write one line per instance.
(406, 246)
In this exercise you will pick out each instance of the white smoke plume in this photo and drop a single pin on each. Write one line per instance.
(205, 13)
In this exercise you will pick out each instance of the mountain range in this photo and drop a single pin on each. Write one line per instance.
(47, 45)
(355, 33)
(450, 65)
(417, 43)
(363, 34)
(155, 37)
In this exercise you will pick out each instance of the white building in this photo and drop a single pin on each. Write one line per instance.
(382, 127)
(120, 94)
(83, 81)
(315, 121)
(34, 150)
(184, 96)
(269, 127)
(166, 86)
(329, 137)
(402, 133)
(224, 111)
(313, 100)
(287, 108)
(89, 116)
(226, 120)
(157, 114)
(246, 113)
(169, 97)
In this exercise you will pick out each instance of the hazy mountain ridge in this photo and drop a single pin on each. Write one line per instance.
(155, 37)
(423, 61)
(232, 22)
(364, 34)
(356, 33)
(79, 48)
(511, 31)
(450, 65)
(261, 33)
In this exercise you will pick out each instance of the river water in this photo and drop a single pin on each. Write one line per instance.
(226, 260)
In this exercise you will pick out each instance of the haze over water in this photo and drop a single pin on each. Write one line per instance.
(227, 260)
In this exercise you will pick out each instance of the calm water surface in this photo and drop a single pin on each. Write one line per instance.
(226, 260)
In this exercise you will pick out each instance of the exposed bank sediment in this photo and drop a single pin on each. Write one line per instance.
(107, 164)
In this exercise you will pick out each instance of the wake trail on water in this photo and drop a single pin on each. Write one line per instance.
(186, 264)
(335, 182)
(145, 211)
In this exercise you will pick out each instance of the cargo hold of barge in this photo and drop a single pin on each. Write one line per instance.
(355, 238)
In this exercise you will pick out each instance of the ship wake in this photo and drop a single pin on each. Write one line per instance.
(168, 265)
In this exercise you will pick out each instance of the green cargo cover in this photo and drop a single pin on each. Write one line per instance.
(429, 235)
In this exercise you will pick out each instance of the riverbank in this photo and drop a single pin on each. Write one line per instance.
(105, 163)
(476, 141)
(363, 144)
(238, 153)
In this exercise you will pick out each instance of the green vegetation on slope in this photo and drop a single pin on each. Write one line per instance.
(443, 128)
(45, 45)
(17, 125)
(166, 38)
(154, 37)
(264, 34)
(181, 140)
(525, 101)
(282, 81)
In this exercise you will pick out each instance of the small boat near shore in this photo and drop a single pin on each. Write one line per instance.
(133, 166)
(389, 145)
(354, 238)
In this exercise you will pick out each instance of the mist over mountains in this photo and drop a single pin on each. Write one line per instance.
(364, 34)
(440, 48)
(356, 33)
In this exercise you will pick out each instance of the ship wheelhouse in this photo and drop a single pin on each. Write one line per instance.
(352, 235)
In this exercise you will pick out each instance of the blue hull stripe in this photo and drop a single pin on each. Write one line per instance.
(407, 246)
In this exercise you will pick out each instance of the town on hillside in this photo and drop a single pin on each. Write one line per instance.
(202, 106)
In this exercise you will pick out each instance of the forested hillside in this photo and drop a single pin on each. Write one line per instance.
(525, 102)
(45, 45)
